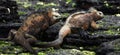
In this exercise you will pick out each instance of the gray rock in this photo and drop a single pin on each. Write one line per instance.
(109, 48)
(66, 52)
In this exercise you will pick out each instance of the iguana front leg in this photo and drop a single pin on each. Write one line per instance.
(94, 25)
(30, 38)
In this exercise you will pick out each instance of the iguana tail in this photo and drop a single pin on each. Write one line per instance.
(54, 43)
(11, 35)
(4, 39)
(64, 31)
(7, 39)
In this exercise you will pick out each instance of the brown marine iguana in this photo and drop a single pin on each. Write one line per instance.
(34, 23)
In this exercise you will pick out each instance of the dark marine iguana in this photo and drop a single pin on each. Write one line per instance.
(34, 23)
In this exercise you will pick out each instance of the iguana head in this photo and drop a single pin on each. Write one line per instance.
(97, 14)
(55, 13)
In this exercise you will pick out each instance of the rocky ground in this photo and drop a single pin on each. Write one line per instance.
(104, 41)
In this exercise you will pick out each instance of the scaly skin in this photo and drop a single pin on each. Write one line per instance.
(34, 23)
(76, 20)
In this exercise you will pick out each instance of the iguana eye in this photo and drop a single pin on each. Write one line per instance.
(100, 13)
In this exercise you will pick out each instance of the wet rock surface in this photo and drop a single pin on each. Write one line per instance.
(108, 48)
(8, 11)
(110, 8)
(9, 17)
(114, 53)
